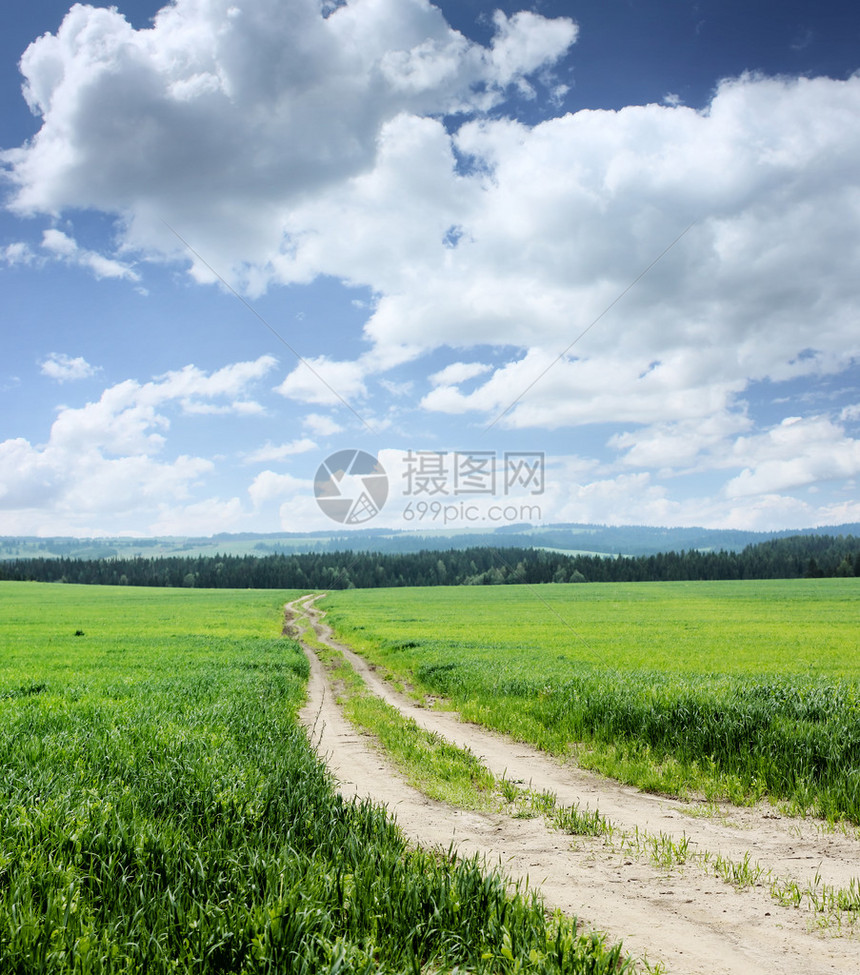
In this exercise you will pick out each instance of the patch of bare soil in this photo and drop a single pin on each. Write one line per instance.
(683, 917)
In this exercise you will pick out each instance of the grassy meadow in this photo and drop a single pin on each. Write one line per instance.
(732, 689)
(161, 811)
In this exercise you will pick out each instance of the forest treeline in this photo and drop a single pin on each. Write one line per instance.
(809, 556)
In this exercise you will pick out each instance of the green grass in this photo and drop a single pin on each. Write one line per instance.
(432, 765)
(734, 690)
(427, 761)
(806, 626)
(161, 811)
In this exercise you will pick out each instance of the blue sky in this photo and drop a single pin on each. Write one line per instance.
(240, 235)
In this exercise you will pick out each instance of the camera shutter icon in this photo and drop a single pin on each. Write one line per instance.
(351, 487)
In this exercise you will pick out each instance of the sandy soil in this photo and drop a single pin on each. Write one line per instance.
(683, 917)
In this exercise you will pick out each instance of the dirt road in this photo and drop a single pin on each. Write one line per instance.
(683, 917)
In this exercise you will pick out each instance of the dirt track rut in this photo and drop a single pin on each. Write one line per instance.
(684, 917)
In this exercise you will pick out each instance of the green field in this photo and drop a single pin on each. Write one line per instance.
(733, 689)
(161, 811)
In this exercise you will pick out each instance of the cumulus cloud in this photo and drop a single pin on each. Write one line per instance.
(684, 445)
(227, 112)
(621, 500)
(287, 144)
(325, 381)
(199, 517)
(64, 368)
(77, 475)
(196, 390)
(297, 509)
(560, 219)
(65, 248)
(269, 486)
(109, 456)
(322, 425)
(540, 390)
(274, 452)
(795, 453)
(458, 372)
(287, 140)
(524, 43)
(18, 253)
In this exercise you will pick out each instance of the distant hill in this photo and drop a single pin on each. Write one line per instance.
(795, 557)
(632, 540)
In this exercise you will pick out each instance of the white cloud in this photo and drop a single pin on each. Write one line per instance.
(297, 509)
(106, 267)
(64, 368)
(276, 452)
(552, 222)
(80, 474)
(539, 390)
(796, 453)
(622, 500)
(396, 389)
(18, 253)
(558, 220)
(109, 459)
(59, 243)
(285, 145)
(324, 381)
(195, 389)
(227, 112)
(585, 490)
(526, 42)
(270, 486)
(301, 513)
(199, 518)
(66, 249)
(683, 444)
(237, 408)
(458, 372)
(321, 425)
(768, 512)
